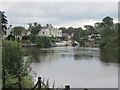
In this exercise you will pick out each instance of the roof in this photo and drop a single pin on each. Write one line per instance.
(25, 31)
(93, 32)
(70, 33)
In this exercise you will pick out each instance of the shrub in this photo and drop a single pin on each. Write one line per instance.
(12, 54)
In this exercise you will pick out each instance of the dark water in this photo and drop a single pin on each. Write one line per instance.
(79, 67)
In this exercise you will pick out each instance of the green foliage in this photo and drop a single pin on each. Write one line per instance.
(108, 56)
(34, 28)
(54, 39)
(89, 27)
(12, 53)
(109, 37)
(107, 21)
(13, 62)
(28, 81)
(26, 37)
(64, 30)
(43, 41)
(79, 34)
(17, 30)
(33, 38)
(106, 31)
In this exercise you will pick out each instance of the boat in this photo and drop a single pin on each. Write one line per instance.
(75, 43)
(53, 44)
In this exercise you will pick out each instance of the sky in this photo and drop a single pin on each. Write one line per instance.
(70, 13)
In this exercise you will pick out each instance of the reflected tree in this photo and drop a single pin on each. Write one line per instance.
(109, 56)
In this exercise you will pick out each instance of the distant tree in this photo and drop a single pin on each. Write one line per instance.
(108, 21)
(71, 29)
(64, 30)
(89, 27)
(17, 30)
(33, 38)
(34, 28)
(77, 34)
(43, 41)
(109, 37)
(98, 25)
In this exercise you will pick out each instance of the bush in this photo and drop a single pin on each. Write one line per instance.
(26, 37)
(13, 62)
(12, 54)
(33, 38)
(43, 42)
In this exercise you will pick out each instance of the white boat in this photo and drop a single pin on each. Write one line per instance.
(75, 43)
(62, 43)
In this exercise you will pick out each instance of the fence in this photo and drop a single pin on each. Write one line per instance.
(38, 85)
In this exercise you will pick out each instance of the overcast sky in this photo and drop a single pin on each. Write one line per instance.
(76, 14)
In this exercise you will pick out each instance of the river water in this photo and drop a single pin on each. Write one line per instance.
(77, 66)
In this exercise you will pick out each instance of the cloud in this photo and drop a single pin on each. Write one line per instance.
(59, 13)
(26, 20)
(60, 1)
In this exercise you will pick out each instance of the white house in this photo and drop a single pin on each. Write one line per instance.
(93, 34)
(50, 31)
(24, 32)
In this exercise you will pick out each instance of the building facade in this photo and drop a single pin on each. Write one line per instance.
(50, 31)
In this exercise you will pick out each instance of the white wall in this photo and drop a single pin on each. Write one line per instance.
(52, 32)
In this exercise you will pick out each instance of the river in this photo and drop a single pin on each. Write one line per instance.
(77, 66)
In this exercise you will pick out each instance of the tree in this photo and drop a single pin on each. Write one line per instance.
(12, 54)
(3, 22)
(17, 30)
(98, 25)
(108, 21)
(64, 30)
(34, 28)
(109, 37)
(70, 29)
(43, 42)
(76, 35)
(33, 38)
(89, 27)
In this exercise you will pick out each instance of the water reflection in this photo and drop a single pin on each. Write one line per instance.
(109, 56)
(81, 53)
(76, 66)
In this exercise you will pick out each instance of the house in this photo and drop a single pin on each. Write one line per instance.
(25, 32)
(50, 31)
(93, 34)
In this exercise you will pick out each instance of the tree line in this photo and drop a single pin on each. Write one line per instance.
(107, 29)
